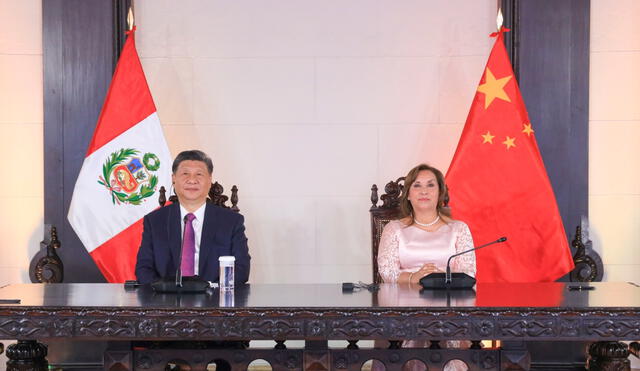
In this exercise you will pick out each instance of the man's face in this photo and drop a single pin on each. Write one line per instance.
(192, 181)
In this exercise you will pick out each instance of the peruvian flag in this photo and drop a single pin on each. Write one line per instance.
(126, 164)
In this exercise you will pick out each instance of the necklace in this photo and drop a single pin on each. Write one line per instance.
(437, 219)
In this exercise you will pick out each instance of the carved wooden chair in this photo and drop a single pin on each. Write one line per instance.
(216, 197)
(381, 215)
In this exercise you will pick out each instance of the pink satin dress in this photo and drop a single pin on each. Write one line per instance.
(407, 248)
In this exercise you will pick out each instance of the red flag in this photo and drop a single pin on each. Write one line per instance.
(499, 186)
(126, 163)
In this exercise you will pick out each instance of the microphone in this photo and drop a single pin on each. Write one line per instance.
(448, 280)
(448, 277)
(179, 270)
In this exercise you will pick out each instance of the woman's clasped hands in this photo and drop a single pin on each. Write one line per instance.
(425, 270)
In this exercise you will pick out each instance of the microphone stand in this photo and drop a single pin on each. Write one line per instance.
(179, 270)
(447, 279)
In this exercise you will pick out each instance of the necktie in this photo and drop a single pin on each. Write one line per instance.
(188, 247)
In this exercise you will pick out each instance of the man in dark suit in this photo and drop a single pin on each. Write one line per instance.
(209, 231)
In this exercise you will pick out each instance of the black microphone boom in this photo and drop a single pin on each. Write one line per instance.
(179, 270)
(448, 280)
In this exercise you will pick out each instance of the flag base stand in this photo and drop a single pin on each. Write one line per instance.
(438, 281)
(192, 285)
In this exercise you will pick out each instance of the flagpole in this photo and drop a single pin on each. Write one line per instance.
(130, 19)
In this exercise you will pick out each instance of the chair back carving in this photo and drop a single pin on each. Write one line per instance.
(216, 197)
(381, 215)
(588, 264)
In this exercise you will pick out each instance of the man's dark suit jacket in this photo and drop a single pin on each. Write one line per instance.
(222, 234)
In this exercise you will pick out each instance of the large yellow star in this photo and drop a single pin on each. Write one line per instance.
(509, 142)
(493, 88)
(527, 129)
(488, 138)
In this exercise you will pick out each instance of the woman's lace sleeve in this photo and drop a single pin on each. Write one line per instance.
(465, 263)
(388, 256)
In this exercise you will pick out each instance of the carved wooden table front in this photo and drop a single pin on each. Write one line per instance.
(317, 313)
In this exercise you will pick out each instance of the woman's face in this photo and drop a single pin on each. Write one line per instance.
(424, 192)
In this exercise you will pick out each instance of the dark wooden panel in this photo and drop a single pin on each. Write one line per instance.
(79, 58)
(53, 160)
(550, 44)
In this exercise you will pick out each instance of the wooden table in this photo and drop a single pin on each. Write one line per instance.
(606, 314)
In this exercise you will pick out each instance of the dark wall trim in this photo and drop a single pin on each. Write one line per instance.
(511, 15)
(120, 11)
(80, 39)
(549, 45)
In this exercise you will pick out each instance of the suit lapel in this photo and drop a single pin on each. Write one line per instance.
(174, 229)
(207, 238)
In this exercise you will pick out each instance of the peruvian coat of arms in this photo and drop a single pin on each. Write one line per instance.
(130, 177)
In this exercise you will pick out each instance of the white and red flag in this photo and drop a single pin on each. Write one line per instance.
(126, 163)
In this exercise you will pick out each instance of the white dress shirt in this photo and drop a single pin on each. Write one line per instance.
(197, 229)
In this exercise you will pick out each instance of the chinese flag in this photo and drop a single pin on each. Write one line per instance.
(498, 184)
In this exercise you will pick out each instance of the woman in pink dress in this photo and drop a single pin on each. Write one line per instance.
(422, 240)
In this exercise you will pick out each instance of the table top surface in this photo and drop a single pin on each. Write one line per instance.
(606, 295)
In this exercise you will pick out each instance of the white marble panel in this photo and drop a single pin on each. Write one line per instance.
(284, 28)
(21, 88)
(20, 26)
(614, 84)
(253, 90)
(377, 90)
(346, 28)
(614, 157)
(343, 230)
(281, 230)
(280, 273)
(332, 273)
(292, 160)
(306, 273)
(21, 228)
(467, 27)
(21, 148)
(614, 221)
(164, 27)
(182, 136)
(171, 84)
(622, 273)
(615, 25)
(413, 28)
(11, 275)
(458, 82)
(404, 146)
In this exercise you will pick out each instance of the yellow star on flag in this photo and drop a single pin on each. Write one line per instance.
(509, 142)
(488, 138)
(493, 88)
(527, 129)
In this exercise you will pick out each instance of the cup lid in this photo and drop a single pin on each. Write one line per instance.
(227, 259)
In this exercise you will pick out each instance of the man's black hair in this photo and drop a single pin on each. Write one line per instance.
(192, 155)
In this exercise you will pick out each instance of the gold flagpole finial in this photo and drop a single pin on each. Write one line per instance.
(130, 21)
(499, 19)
